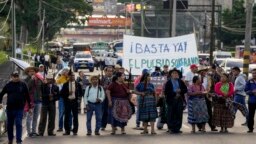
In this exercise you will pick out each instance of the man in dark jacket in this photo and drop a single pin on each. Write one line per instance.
(71, 91)
(49, 98)
(17, 96)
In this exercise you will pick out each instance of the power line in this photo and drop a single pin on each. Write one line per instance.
(56, 8)
(4, 2)
(3, 6)
(7, 17)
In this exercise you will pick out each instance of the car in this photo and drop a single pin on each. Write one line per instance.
(229, 63)
(218, 61)
(83, 60)
(110, 59)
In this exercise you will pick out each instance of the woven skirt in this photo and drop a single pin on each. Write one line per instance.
(197, 110)
(147, 109)
(222, 117)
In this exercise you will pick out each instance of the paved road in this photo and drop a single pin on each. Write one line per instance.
(237, 135)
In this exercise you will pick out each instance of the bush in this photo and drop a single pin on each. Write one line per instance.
(32, 48)
(3, 57)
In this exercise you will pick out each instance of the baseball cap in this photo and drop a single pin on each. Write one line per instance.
(41, 65)
(15, 73)
(193, 66)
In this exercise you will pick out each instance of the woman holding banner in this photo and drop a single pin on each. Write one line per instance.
(175, 89)
(147, 103)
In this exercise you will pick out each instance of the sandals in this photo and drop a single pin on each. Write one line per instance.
(153, 133)
(123, 132)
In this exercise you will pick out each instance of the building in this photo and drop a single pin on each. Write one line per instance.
(226, 4)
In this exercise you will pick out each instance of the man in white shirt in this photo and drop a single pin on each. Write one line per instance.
(47, 61)
(93, 97)
(189, 76)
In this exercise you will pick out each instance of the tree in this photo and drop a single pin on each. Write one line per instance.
(58, 14)
(233, 29)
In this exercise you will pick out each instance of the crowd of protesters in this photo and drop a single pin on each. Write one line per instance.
(210, 96)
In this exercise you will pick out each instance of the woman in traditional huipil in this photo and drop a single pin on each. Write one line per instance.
(222, 116)
(197, 108)
(118, 100)
(147, 103)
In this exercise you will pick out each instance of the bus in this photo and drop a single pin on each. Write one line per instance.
(81, 47)
(100, 46)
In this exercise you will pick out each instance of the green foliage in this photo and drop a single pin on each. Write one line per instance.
(234, 19)
(3, 57)
(58, 14)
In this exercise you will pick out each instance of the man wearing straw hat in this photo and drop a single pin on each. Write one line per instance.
(34, 83)
(93, 97)
(49, 98)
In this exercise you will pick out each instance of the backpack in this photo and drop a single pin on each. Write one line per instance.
(99, 90)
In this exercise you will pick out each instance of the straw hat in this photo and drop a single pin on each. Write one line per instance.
(93, 76)
(202, 68)
(117, 66)
(31, 68)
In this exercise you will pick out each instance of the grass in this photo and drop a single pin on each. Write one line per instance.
(3, 57)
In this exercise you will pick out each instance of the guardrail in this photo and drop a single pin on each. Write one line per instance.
(27, 58)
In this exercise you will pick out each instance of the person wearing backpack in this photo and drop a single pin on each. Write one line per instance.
(93, 98)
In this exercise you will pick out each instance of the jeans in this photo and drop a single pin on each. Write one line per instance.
(61, 114)
(240, 99)
(97, 107)
(33, 118)
(14, 116)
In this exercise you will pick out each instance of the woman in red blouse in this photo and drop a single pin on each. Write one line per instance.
(118, 99)
(222, 116)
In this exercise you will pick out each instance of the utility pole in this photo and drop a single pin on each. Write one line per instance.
(142, 12)
(13, 29)
(248, 33)
(42, 22)
(170, 17)
(212, 48)
(174, 9)
(205, 30)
